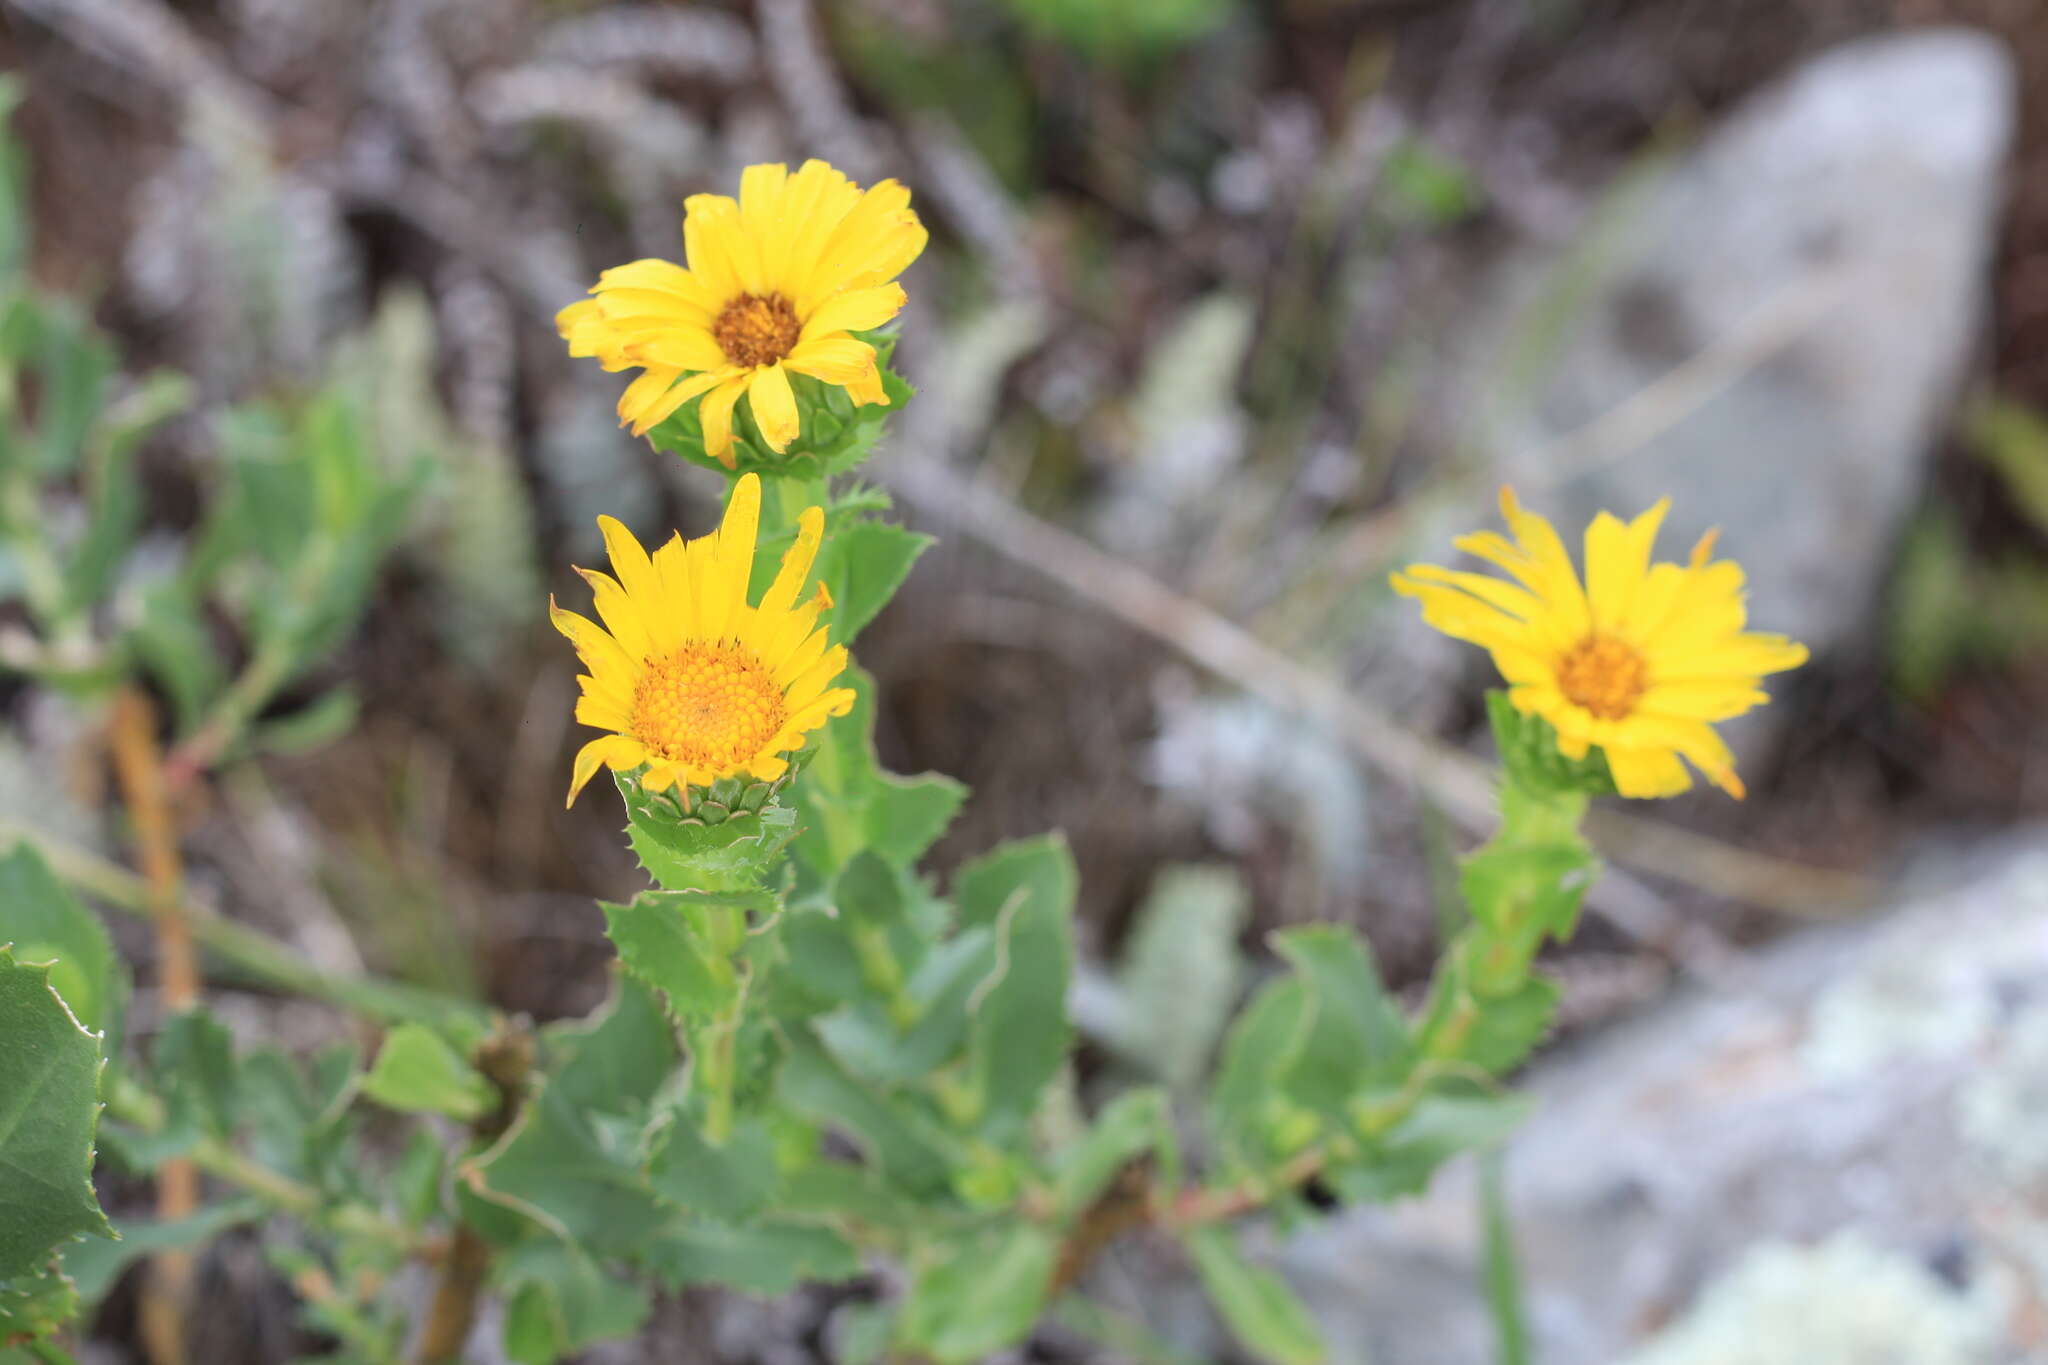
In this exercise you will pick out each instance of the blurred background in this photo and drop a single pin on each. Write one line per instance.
(1231, 306)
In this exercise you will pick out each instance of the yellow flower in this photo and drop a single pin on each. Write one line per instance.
(775, 283)
(693, 681)
(1639, 661)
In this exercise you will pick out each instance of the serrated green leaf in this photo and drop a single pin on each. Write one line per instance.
(295, 1127)
(1400, 1162)
(980, 1297)
(1126, 1130)
(33, 1307)
(534, 1330)
(1182, 972)
(177, 647)
(46, 923)
(869, 891)
(113, 492)
(821, 957)
(195, 1069)
(617, 1058)
(862, 564)
(49, 1105)
(1260, 1049)
(869, 1042)
(1528, 890)
(731, 1182)
(1020, 1034)
(1494, 1032)
(1357, 1035)
(416, 1178)
(314, 726)
(95, 1265)
(766, 1259)
(417, 1072)
(578, 1174)
(563, 1302)
(1035, 871)
(848, 803)
(1262, 1312)
(662, 939)
(814, 1084)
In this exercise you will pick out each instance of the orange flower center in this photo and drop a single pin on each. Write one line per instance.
(752, 330)
(709, 705)
(1603, 675)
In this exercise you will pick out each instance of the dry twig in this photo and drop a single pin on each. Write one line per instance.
(138, 763)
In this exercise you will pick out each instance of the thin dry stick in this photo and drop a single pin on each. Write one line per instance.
(138, 764)
(1462, 785)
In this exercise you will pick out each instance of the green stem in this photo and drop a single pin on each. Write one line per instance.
(716, 1042)
(42, 578)
(257, 954)
(130, 1103)
(268, 669)
(880, 969)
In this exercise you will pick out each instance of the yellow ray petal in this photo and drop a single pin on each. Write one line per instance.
(828, 667)
(774, 405)
(1645, 773)
(1702, 700)
(1516, 602)
(664, 277)
(623, 617)
(1617, 558)
(731, 558)
(618, 752)
(716, 415)
(837, 360)
(796, 563)
(1550, 566)
(593, 644)
(629, 561)
(645, 394)
(686, 347)
(1463, 616)
(856, 310)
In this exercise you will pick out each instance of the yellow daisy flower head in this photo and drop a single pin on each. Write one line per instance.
(1640, 660)
(775, 283)
(695, 683)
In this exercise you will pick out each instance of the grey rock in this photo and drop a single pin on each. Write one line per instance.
(1869, 1107)
(1845, 214)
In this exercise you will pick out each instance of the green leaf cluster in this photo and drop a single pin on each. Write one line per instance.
(817, 1056)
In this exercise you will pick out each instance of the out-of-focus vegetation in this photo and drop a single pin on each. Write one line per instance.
(280, 285)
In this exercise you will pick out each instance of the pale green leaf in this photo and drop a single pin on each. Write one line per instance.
(980, 1297)
(45, 923)
(1020, 1034)
(1261, 1310)
(1125, 1131)
(49, 1104)
(731, 1182)
(662, 940)
(767, 1259)
(418, 1072)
